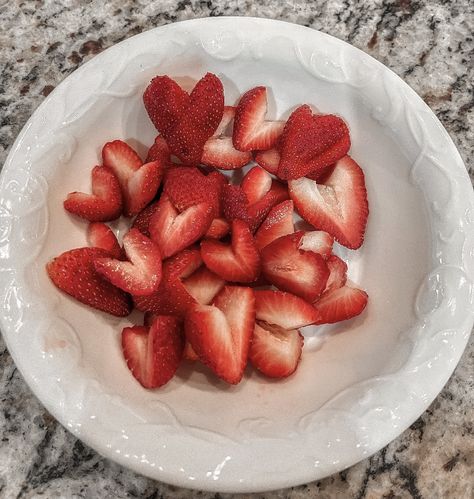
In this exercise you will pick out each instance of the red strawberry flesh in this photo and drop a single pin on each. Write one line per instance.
(141, 275)
(284, 309)
(153, 355)
(341, 304)
(275, 352)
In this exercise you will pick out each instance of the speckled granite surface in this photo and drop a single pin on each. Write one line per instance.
(429, 43)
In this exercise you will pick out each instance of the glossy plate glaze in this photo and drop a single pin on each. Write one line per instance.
(361, 383)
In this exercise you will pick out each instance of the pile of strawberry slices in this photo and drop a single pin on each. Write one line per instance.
(218, 267)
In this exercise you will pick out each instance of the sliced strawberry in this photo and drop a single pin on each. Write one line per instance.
(199, 120)
(73, 272)
(275, 352)
(159, 151)
(340, 304)
(284, 309)
(189, 353)
(173, 231)
(186, 187)
(122, 159)
(311, 142)
(139, 183)
(142, 220)
(142, 187)
(219, 228)
(290, 268)
(256, 183)
(172, 298)
(203, 285)
(279, 222)
(317, 241)
(101, 236)
(224, 125)
(338, 206)
(105, 202)
(251, 131)
(165, 102)
(258, 211)
(153, 355)
(337, 273)
(220, 334)
(236, 262)
(237, 207)
(269, 160)
(219, 152)
(141, 275)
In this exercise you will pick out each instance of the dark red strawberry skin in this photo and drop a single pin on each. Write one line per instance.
(73, 272)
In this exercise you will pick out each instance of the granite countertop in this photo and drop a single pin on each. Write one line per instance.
(428, 43)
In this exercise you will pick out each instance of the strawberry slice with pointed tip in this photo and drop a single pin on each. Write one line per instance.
(223, 130)
(105, 202)
(285, 310)
(256, 183)
(73, 272)
(186, 186)
(311, 142)
(165, 102)
(276, 353)
(269, 160)
(290, 268)
(219, 152)
(338, 206)
(101, 236)
(340, 304)
(337, 274)
(159, 151)
(219, 228)
(278, 223)
(173, 231)
(172, 298)
(142, 220)
(203, 285)
(142, 187)
(251, 131)
(220, 334)
(153, 354)
(139, 182)
(141, 275)
(198, 121)
(235, 262)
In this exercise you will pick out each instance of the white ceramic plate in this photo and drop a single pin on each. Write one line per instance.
(354, 391)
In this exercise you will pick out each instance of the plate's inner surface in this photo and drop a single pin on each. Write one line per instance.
(390, 266)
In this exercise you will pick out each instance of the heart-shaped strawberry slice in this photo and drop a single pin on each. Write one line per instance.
(220, 334)
(337, 205)
(139, 182)
(105, 202)
(186, 121)
(311, 142)
(290, 267)
(139, 276)
(173, 231)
